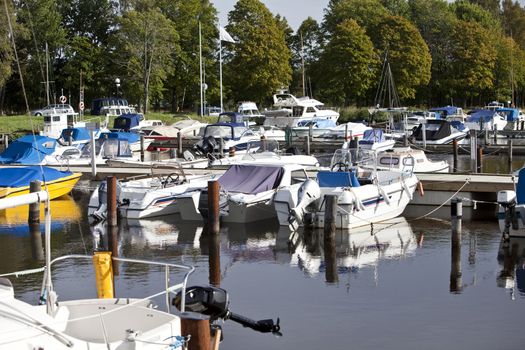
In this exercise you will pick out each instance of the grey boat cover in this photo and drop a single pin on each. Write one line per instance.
(251, 179)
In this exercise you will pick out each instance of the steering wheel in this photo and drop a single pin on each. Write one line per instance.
(171, 179)
(340, 166)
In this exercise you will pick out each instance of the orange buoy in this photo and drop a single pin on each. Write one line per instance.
(420, 189)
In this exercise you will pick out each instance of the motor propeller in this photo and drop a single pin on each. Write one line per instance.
(214, 302)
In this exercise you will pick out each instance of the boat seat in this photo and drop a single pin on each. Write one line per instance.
(337, 179)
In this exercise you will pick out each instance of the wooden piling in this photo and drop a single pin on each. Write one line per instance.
(509, 153)
(6, 141)
(179, 144)
(456, 212)
(197, 326)
(231, 152)
(307, 145)
(455, 155)
(495, 134)
(213, 207)
(330, 215)
(473, 151)
(111, 182)
(34, 208)
(479, 160)
(141, 148)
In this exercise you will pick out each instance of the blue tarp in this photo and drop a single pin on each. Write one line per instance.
(127, 121)
(372, 135)
(520, 187)
(510, 114)
(76, 134)
(131, 137)
(22, 176)
(483, 115)
(458, 125)
(29, 149)
(337, 179)
(444, 111)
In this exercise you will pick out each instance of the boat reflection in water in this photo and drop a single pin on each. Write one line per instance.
(352, 250)
(511, 257)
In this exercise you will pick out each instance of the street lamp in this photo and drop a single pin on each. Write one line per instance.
(117, 83)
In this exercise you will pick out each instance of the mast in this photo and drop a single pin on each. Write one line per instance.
(302, 63)
(47, 75)
(200, 68)
(220, 64)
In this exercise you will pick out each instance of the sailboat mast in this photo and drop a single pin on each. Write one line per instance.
(47, 76)
(302, 63)
(200, 68)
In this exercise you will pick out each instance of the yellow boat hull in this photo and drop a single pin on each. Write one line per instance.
(56, 188)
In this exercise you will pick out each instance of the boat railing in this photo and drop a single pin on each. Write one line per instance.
(169, 289)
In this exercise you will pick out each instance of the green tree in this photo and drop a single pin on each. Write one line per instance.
(306, 48)
(471, 12)
(397, 7)
(259, 62)
(492, 6)
(513, 18)
(148, 40)
(408, 54)
(349, 63)
(6, 49)
(472, 62)
(366, 13)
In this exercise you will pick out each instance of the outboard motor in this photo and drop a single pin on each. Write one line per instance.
(507, 206)
(209, 144)
(214, 302)
(308, 192)
(101, 212)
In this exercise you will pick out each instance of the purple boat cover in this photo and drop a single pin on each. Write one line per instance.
(251, 179)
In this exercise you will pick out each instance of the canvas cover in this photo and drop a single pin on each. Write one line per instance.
(127, 121)
(337, 179)
(520, 187)
(445, 111)
(22, 176)
(75, 134)
(510, 114)
(435, 130)
(251, 179)
(483, 115)
(28, 149)
(372, 135)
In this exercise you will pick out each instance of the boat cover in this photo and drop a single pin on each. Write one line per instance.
(127, 121)
(337, 179)
(520, 187)
(445, 111)
(251, 179)
(22, 176)
(318, 123)
(75, 134)
(131, 137)
(483, 115)
(371, 136)
(510, 114)
(435, 130)
(458, 125)
(28, 149)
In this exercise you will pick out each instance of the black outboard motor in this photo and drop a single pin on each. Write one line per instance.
(214, 302)
(209, 144)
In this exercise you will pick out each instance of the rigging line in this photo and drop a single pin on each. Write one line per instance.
(12, 34)
(36, 43)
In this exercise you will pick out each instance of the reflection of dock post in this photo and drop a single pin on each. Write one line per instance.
(34, 208)
(330, 258)
(214, 257)
(198, 327)
(456, 211)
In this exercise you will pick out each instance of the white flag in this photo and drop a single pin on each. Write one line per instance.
(224, 36)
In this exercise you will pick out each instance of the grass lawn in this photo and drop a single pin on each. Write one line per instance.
(19, 125)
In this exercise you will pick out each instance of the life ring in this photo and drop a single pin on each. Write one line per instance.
(420, 189)
(63, 99)
(81, 106)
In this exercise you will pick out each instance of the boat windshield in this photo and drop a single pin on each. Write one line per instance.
(219, 131)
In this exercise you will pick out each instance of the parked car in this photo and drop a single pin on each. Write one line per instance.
(54, 108)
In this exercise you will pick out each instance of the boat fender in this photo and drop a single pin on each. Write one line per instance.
(420, 189)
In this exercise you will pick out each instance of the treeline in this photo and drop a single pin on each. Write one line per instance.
(466, 52)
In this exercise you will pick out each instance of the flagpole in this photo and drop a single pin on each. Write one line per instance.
(220, 64)
(200, 68)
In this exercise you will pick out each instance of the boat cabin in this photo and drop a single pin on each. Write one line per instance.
(110, 145)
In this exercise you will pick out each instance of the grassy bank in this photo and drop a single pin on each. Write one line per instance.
(18, 125)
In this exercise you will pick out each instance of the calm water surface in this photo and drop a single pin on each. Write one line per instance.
(390, 290)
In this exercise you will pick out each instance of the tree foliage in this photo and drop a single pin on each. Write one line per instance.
(258, 62)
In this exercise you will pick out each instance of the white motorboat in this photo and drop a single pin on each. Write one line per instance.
(250, 112)
(439, 132)
(290, 110)
(405, 159)
(373, 197)
(266, 152)
(374, 140)
(106, 323)
(511, 258)
(247, 191)
(148, 197)
(450, 113)
(346, 131)
(486, 119)
(511, 209)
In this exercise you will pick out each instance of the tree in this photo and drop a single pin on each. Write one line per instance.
(397, 7)
(349, 63)
(408, 54)
(148, 40)
(471, 12)
(492, 6)
(258, 63)
(6, 49)
(366, 13)
(306, 48)
(513, 18)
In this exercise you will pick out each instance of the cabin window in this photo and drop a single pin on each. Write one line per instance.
(56, 118)
(70, 153)
(297, 111)
(47, 119)
(408, 161)
(298, 176)
(310, 110)
(388, 161)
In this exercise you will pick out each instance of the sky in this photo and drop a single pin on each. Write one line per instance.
(295, 11)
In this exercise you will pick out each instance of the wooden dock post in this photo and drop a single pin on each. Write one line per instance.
(288, 136)
(423, 133)
(456, 212)
(509, 153)
(141, 148)
(93, 154)
(473, 151)
(479, 159)
(197, 326)
(34, 208)
(213, 207)
(346, 132)
(6, 141)
(179, 144)
(455, 155)
(330, 214)
(307, 145)
(495, 134)
(111, 182)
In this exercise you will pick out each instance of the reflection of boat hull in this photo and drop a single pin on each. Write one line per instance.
(511, 257)
(62, 209)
